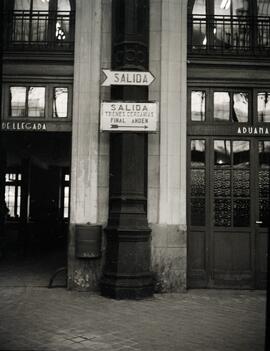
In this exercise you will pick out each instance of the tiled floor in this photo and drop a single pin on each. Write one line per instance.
(34, 317)
(56, 319)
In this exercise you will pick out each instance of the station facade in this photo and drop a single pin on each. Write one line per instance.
(184, 205)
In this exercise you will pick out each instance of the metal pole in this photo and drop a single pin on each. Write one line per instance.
(128, 253)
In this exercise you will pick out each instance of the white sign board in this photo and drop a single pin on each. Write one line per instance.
(127, 78)
(129, 116)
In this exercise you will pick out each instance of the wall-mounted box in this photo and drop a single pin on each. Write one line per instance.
(88, 241)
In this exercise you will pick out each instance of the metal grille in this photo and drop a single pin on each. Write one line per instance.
(229, 34)
(41, 29)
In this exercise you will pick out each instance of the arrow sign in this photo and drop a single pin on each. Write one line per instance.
(127, 78)
(115, 126)
(129, 116)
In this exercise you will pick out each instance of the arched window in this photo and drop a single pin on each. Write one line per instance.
(42, 23)
(233, 26)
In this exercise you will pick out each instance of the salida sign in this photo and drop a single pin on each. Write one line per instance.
(127, 78)
(129, 116)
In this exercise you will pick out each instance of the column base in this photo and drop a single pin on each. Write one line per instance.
(126, 274)
(127, 288)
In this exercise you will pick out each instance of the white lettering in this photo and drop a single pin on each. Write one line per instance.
(23, 126)
(116, 76)
(253, 130)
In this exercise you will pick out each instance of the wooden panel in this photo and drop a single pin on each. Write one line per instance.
(197, 274)
(196, 250)
(232, 251)
(261, 260)
(232, 260)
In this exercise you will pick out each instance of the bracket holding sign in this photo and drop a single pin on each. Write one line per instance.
(127, 78)
(119, 116)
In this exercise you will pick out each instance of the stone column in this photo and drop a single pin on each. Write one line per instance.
(173, 113)
(127, 264)
(82, 273)
(167, 151)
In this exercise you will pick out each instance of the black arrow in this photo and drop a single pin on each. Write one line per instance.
(117, 126)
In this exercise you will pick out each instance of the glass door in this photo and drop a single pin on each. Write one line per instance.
(228, 209)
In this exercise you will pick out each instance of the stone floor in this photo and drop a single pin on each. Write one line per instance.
(34, 317)
(37, 318)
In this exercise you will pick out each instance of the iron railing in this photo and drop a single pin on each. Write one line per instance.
(40, 29)
(229, 34)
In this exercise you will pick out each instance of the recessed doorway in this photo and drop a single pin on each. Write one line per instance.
(35, 182)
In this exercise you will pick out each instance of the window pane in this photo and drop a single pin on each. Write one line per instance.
(39, 27)
(36, 102)
(62, 23)
(41, 5)
(199, 38)
(21, 22)
(229, 33)
(62, 28)
(18, 210)
(222, 106)
(241, 153)
(264, 183)
(60, 102)
(66, 202)
(10, 177)
(39, 23)
(63, 5)
(264, 206)
(222, 183)
(197, 212)
(10, 199)
(236, 7)
(263, 107)
(241, 183)
(197, 182)
(239, 7)
(197, 148)
(198, 106)
(264, 154)
(223, 209)
(17, 101)
(23, 5)
(199, 7)
(222, 7)
(263, 7)
(240, 107)
(241, 213)
(222, 150)
(21, 27)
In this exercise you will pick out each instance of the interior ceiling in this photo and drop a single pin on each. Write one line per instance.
(43, 149)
